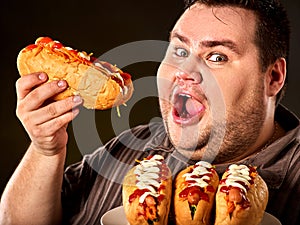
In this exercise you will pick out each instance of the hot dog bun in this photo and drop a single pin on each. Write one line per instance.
(194, 197)
(100, 84)
(146, 193)
(242, 197)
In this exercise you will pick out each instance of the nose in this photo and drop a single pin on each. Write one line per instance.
(190, 71)
(191, 78)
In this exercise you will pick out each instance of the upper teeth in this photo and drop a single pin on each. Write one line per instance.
(184, 95)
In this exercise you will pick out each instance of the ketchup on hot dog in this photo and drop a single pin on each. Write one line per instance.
(197, 181)
(236, 184)
(69, 53)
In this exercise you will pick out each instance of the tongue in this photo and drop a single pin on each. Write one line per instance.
(179, 106)
(193, 107)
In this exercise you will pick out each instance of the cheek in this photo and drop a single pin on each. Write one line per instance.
(240, 91)
(236, 77)
(232, 89)
(165, 80)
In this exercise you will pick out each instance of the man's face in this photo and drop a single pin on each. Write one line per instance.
(210, 84)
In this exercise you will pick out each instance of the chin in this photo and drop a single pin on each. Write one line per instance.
(188, 137)
(200, 139)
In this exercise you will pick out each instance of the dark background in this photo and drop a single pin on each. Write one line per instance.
(95, 26)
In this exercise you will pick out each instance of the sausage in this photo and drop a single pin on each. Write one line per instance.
(235, 195)
(146, 192)
(193, 198)
(242, 196)
(195, 189)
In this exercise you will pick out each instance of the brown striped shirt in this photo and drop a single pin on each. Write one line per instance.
(94, 185)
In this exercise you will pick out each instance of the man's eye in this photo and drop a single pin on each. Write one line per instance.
(181, 52)
(217, 58)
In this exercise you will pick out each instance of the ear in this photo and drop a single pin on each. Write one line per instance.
(276, 77)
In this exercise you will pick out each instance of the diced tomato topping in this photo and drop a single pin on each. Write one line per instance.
(160, 198)
(57, 45)
(126, 77)
(136, 193)
(30, 47)
(210, 189)
(43, 41)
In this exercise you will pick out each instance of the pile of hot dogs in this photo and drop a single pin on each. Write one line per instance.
(198, 195)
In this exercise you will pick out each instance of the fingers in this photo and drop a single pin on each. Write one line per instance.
(54, 110)
(36, 91)
(34, 107)
(44, 119)
(26, 83)
(47, 125)
(38, 96)
(50, 127)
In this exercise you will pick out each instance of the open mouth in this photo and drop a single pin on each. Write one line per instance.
(186, 109)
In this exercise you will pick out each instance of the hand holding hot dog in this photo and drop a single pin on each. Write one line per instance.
(45, 120)
(57, 72)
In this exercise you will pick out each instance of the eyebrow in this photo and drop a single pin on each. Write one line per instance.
(208, 43)
(179, 36)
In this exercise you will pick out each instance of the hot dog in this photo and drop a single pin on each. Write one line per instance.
(100, 84)
(194, 197)
(146, 192)
(242, 196)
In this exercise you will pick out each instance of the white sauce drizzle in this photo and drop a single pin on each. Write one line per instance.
(116, 74)
(200, 169)
(69, 48)
(85, 56)
(147, 174)
(238, 173)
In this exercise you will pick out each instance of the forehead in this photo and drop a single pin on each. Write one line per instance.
(201, 22)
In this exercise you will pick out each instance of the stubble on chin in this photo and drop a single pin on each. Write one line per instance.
(208, 142)
(188, 140)
(240, 135)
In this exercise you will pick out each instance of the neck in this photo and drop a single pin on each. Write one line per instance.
(275, 132)
(268, 131)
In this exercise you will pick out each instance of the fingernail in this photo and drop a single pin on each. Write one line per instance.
(61, 83)
(77, 99)
(42, 76)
